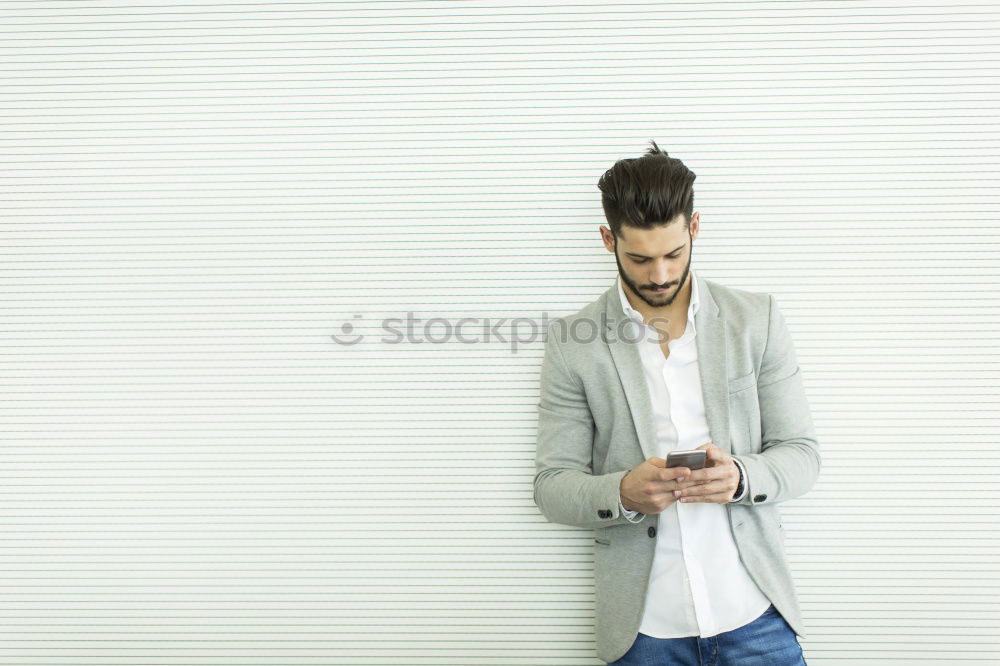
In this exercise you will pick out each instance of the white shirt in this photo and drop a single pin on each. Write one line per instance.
(698, 585)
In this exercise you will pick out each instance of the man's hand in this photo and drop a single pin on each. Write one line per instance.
(716, 482)
(649, 487)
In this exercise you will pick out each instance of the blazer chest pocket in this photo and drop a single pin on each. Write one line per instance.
(738, 384)
(744, 414)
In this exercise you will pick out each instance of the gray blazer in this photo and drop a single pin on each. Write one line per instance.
(595, 422)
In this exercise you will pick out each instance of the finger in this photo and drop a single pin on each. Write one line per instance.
(687, 485)
(673, 473)
(715, 453)
(706, 474)
(718, 498)
(657, 462)
(709, 488)
(696, 476)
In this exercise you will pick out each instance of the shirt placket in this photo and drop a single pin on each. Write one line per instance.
(698, 585)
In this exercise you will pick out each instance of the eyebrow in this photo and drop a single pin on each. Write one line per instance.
(642, 256)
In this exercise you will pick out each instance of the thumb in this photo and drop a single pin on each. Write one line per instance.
(717, 455)
(657, 462)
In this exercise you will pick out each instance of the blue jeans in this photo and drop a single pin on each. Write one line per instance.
(767, 641)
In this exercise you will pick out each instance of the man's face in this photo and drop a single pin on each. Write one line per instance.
(654, 263)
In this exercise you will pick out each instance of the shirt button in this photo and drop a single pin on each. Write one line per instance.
(651, 532)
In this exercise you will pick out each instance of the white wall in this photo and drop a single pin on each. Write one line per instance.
(195, 196)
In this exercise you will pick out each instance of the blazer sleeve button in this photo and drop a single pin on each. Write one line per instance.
(651, 532)
(759, 498)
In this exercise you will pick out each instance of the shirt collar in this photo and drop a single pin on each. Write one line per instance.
(634, 314)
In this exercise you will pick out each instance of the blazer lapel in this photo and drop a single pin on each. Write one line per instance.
(710, 340)
(712, 352)
(628, 362)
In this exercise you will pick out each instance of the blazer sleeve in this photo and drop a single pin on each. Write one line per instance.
(566, 490)
(789, 461)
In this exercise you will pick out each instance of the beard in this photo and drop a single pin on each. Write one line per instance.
(648, 297)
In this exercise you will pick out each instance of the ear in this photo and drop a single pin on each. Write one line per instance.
(695, 224)
(608, 238)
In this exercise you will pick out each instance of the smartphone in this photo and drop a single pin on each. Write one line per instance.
(690, 459)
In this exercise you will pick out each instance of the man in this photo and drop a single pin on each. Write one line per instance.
(689, 564)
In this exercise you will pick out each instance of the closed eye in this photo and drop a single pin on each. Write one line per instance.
(646, 259)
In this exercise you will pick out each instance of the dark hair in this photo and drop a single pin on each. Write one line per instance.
(647, 191)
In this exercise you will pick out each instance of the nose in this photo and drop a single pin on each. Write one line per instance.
(659, 276)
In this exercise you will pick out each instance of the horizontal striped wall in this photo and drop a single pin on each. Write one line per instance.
(223, 444)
